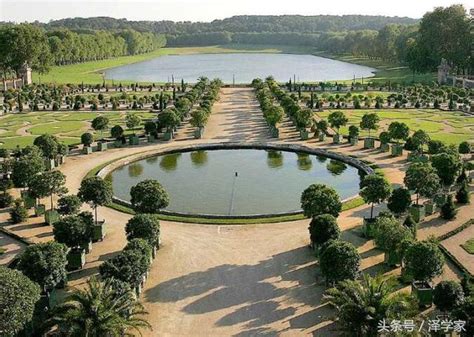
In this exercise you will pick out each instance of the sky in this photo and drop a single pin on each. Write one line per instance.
(208, 10)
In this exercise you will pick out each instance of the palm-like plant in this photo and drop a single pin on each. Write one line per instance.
(99, 310)
(362, 304)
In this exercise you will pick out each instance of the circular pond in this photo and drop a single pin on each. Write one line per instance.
(236, 182)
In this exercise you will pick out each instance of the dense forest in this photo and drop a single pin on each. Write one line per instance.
(239, 24)
(421, 44)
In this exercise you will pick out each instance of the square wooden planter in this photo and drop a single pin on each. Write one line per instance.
(275, 132)
(133, 140)
(87, 150)
(368, 227)
(430, 207)
(336, 139)
(198, 133)
(87, 246)
(424, 292)
(369, 143)
(397, 150)
(322, 136)
(354, 141)
(76, 259)
(304, 134)
(417, 212)
(102, 146)
(51, 217)
(98, 232)
(384, 147)
(168, 135)
(151, 139)
(118, 143)
(40, 209)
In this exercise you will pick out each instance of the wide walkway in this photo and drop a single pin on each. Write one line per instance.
(211, 280)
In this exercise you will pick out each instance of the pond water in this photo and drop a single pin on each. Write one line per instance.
(241, 67)
(236, 182)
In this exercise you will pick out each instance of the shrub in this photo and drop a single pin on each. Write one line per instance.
(18, 213)
(18, 297)
(6, 200)
(385, 137)
(465, 148)
(448, 210)
(96, 191)
(447, 295)
(323, 228)
(144, 226)
(116, 132)
(69, 205)
(44, 263)
(462, 196)
(143, 247)
(48, 144)
(100, 123)
(320, 199)
(339, 261)
(424, 260)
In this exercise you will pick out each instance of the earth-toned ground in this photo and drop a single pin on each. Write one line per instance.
(235, 280)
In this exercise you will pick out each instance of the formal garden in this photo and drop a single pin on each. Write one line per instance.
(198, 207)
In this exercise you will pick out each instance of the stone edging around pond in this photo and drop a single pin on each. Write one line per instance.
(105, 171)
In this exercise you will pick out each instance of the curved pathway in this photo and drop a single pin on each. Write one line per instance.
(211, 280)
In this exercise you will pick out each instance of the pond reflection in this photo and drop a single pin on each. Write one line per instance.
(199, 158)
(169, 162)
(336, 167)
(304, 161)
(135, 170)
(274, 159)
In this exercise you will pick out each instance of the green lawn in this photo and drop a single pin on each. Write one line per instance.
(450, 127)
(91, 72)
(469, 246)
(385, 71)
(68, 126)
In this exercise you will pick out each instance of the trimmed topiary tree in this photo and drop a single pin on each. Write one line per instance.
(144, 226)
(448, 167)
(462, 195)
(448, 295)
(392, 238)
(18, 297)
(448, 210)
(399, 201)
(322, 229)
(73, 231)
(375, 189)
(18, 213)
(69, 205)
(423, 260)
(465, 148)
(129, 266)
(87, 139)
(95, 191)
(339, 260)
(422, 179)
(148, 196)
(44, 263)
(48, 144)
(320, 199)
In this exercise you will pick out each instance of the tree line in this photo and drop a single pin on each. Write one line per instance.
(31, 44)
